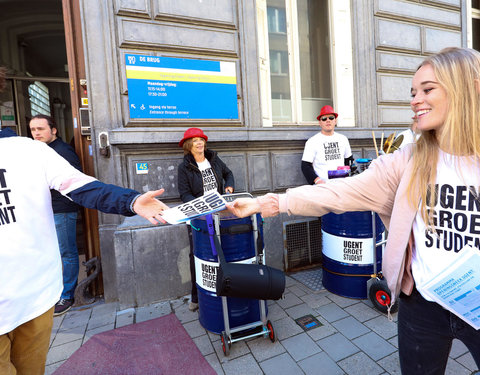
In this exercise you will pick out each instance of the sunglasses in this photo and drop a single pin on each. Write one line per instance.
(324, 118)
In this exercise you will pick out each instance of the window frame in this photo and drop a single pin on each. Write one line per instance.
(341, 60)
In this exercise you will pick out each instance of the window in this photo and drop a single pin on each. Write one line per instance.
(298, 59)
(39, 99)
(473, 28)
(277, 22)
(476, 24)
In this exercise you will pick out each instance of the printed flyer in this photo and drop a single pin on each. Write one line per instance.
(457, 288)
(201, 206)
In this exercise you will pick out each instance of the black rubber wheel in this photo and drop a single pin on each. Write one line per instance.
(380, 296)
(271, 332)
(225, 344)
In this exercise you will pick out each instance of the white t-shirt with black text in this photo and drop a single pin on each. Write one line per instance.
(456, 219)
(209, 180)
(326, 152)
(30, 262)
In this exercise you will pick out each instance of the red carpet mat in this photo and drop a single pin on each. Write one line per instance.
(157, 346)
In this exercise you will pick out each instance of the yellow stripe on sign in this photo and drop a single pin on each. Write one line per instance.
(185, 77)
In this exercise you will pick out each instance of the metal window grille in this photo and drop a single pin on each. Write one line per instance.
(39, 99)
(302, 243)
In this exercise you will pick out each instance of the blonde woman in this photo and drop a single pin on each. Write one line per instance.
(426, 231)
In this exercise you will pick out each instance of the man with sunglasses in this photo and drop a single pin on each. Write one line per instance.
(326, 150)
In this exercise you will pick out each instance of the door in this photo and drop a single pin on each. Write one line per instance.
(80, 118)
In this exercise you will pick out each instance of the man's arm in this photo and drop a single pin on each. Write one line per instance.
(349, 161)
(118, 200)
(91, 193)
(309, 172)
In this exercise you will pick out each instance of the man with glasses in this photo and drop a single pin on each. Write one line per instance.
(326, 150)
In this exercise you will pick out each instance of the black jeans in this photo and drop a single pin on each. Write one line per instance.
(425, 334)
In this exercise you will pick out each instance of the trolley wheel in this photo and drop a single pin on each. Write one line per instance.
(271, 332)
(225, 343)
(380, 296)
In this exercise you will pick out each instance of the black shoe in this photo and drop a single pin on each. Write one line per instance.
(62, 306)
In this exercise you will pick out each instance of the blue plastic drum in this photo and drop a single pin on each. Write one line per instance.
(347, 249)
(237, 248)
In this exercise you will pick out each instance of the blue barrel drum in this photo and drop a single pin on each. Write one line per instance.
(238, 248)
(347, 249)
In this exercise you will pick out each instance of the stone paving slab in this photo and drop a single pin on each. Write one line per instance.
(360, 364)
(243, 365)
(66, 336)
(337, 346)
(391, 364)
(301, 346)
(62, 352)
(263, 349)
(354, 338)
(125, 317)
(374, 346)
(350, 327)
(332, 312)
(281, 365)
(320, 363)
(298, 311)
(362, 312)
(204, 345)
(289, 300)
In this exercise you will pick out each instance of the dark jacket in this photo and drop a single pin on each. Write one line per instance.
(190, 181)
(61, 204)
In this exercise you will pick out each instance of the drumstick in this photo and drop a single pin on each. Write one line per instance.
(390, 145)
(381, 143)
(375, 143)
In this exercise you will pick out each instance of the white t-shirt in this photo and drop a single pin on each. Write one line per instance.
(457, 219)
(30, 263)
(209, 180)
(326, 152)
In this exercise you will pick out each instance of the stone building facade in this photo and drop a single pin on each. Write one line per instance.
(370, 76)
(291, 57)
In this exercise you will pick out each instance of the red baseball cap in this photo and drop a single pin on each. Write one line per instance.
(327, 110)
(192, 133)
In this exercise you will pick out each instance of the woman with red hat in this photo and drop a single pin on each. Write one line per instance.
(200, 172)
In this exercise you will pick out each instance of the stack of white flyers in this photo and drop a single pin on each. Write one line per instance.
(204, 205)
(457, 288)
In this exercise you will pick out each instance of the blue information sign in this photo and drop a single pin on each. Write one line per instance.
(169, 87)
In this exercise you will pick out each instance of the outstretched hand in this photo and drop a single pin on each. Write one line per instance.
(150, 208)
(243, 207)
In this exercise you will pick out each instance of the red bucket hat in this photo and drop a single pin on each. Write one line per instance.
(192, 133)
(327, 110)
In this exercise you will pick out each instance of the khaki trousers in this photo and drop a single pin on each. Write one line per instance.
(23, 351)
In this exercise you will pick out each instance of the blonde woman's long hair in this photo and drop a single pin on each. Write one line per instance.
(457, 70)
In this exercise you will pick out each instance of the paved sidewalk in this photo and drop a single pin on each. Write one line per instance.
(354, 338)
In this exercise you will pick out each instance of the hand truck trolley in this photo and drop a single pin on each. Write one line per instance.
(377, 288)
(262, 327)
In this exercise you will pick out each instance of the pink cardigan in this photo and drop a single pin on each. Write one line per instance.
(381, 188)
